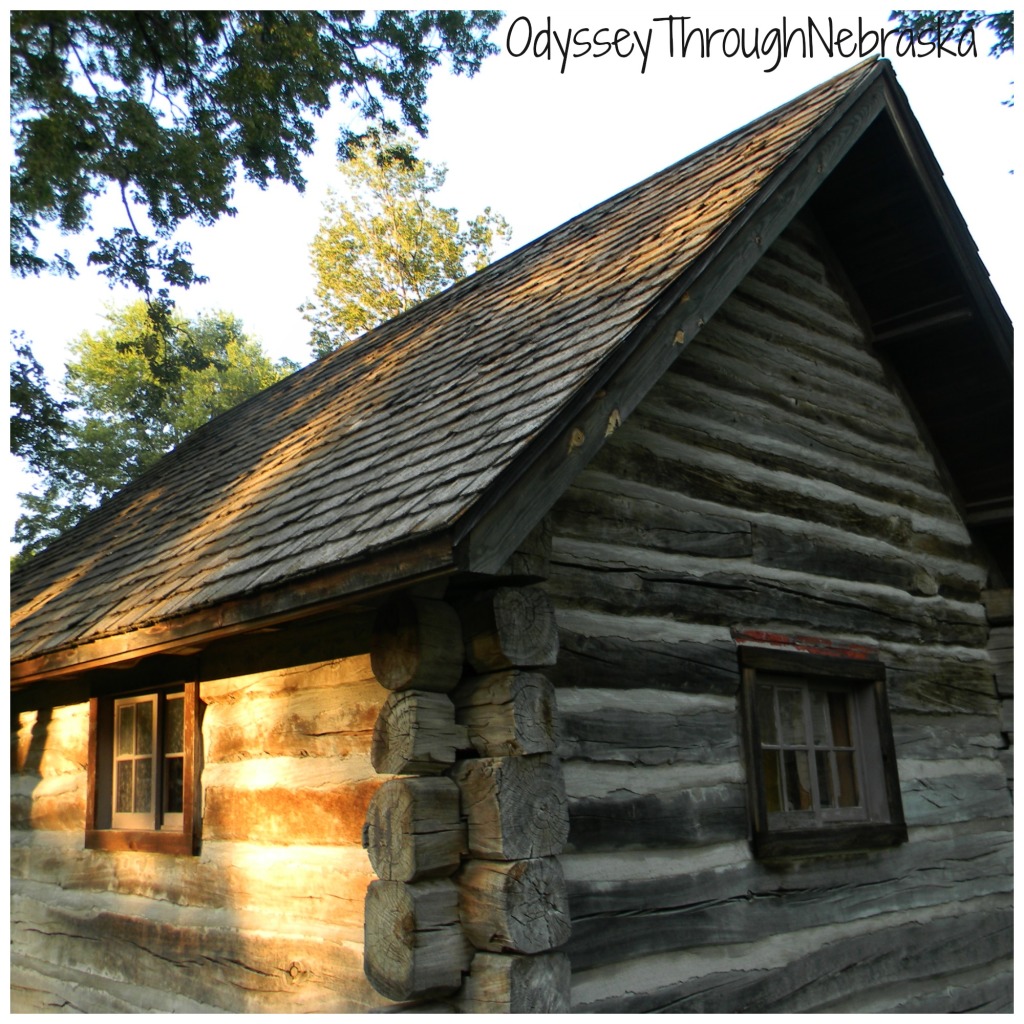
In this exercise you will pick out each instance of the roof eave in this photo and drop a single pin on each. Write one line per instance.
(336, 589)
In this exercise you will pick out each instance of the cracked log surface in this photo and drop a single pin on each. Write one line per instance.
(415, 947)
(773, 481)
(413, 829)
(516, 907)
(269, 916)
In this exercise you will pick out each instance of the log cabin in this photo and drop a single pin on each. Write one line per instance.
(625, 629)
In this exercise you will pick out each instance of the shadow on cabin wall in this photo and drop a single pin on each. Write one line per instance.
(288, 723)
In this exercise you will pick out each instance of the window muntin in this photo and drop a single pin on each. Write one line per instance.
(810, 759)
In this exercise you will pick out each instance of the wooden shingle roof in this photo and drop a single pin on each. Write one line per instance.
(385, 459)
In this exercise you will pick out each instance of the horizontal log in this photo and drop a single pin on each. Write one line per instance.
(765, 442)
(417, 645)
(289, 883)
(280, 658)
(644, 813)
(413, 829)
(56, 803)
(220, 958)
(416, 732)
(811, 970)
(515, 807)
(739, 902)
(740, 358)
(958, 683)
(599, 648)
(517, 907)
(510, 712)
(516, 984)
(767, 426)
(414, 945)
(319, 722)
(960, 795)
(962, 572)
(733, 484)
(645, 726)
(937, 737)
(987, 989)
(38, 987)
(635, 582)
(617, 518)
(511, 627)
(247, 682)
(290, 800)
(801, 551)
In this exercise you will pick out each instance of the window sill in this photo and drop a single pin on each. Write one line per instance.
(144, 842)
(834, 839)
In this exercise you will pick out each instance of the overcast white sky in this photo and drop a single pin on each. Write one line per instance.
(539, 145)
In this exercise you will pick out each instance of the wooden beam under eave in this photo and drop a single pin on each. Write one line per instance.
(289, 602)
(995, 510)
(913, 325)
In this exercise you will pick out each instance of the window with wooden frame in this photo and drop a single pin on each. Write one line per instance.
(143, 768)
(821, 764)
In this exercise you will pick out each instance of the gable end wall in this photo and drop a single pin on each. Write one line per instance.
(772, 480)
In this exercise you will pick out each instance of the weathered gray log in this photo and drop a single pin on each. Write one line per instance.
(668, 587)
(515, 807)
(847, 963)
(507, 713)
(516, 984)
(999, 606)
(416, 645)
(508, 628)
(646, 726)
(1000, 652)
(413, 829)
(416, 734)
(622, 908)
(518, 907)
(414, 944)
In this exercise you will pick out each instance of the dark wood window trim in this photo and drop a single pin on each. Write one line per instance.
(881, 821)
(99, 835)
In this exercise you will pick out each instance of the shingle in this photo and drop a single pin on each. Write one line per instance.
(398, 434)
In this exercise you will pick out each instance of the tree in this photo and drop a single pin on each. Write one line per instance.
(164, 107)
(383, 245)
(37, 418)
(132, 395)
